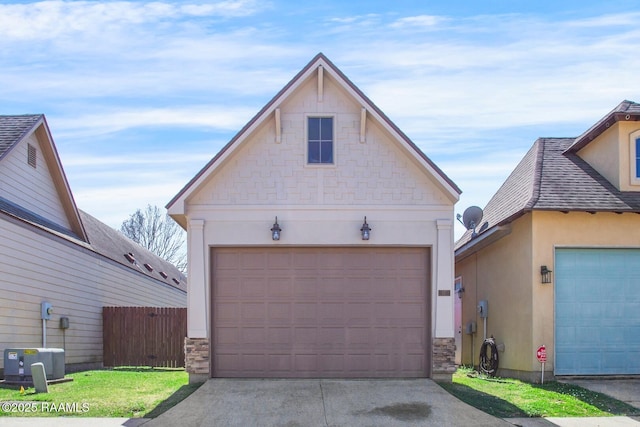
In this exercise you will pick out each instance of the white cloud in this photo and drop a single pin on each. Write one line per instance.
(451, 83)
(420, 21)
(54, 19)
(214, 117)
(629, 18)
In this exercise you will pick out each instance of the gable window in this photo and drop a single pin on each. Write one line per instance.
(320, 140)
(31, 155)
(637, 158)
(634, 159)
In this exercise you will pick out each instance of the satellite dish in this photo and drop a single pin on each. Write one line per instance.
(471, 218)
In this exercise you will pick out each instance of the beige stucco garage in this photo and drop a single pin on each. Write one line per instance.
(320, 299)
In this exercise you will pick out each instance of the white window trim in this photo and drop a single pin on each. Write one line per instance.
(306, 140)
(633, 173)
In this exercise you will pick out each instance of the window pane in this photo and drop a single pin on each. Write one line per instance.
(326, 130)
(314, 152)
(314, 128)
(327, 152)
(320, 139)
(637, 157)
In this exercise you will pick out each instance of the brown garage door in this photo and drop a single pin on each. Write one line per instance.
(320, 312)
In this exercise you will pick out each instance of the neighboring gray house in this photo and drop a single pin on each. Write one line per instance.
(52, 251)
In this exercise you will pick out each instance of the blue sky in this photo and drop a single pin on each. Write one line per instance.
(140, 95)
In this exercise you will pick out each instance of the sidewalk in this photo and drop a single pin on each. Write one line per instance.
(576, 422)
(71, 422)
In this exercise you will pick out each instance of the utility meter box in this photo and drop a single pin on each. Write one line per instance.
(470, 328)
(483, 308)
(17, 363)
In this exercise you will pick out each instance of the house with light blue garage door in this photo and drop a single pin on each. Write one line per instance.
(556, 257)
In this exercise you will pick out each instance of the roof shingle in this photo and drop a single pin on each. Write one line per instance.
(13, 129)
(549, 177)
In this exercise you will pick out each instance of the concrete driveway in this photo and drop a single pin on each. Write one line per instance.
(227, 402)
(626, 390)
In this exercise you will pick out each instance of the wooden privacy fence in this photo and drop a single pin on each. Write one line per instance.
(144, 336)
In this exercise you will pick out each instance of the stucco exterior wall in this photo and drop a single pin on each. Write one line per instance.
(575, 229)
(37, 266)
(500, 274)
(610, 155)
(507, 274)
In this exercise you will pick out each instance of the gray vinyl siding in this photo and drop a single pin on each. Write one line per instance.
(36, 266)
(33, 189)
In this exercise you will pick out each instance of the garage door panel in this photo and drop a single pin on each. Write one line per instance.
(278, 286)
(254, 336)
(229, 288)
(277, 336)
(305, 287)
(278, 313)
(411, 287)
(280, 363)
(322, 312)
(253, 312)
(597, 301)
(227, 336)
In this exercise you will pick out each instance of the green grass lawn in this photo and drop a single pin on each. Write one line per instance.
(505, 398)
(121, 392)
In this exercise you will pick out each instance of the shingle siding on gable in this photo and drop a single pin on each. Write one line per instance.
(266, 173)
(31, 188)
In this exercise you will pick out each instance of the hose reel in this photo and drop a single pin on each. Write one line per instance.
(489, 357)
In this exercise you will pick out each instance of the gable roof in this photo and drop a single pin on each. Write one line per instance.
(554, 178)
(625, 111)
(318, 61)
(14, 129)
(95, 235)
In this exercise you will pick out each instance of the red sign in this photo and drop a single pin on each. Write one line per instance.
(541, 354)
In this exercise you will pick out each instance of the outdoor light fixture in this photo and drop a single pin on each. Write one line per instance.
(275, 230)
(365, 230)
(546, 274)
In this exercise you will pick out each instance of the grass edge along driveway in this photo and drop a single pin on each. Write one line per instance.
(511, 398)
(128, 392)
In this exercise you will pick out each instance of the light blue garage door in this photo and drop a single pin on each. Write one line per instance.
(597, 310)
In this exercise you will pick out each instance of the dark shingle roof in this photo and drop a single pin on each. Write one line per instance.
(550, 177)
(113, 244)
(625, 111)
(13, 129)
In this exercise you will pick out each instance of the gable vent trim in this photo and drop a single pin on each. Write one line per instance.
(32, 156)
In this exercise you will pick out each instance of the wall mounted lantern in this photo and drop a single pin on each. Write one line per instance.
(546, 274)
(275, 230)
(365, 230)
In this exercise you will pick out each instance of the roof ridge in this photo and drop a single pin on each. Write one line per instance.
(539, 145)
